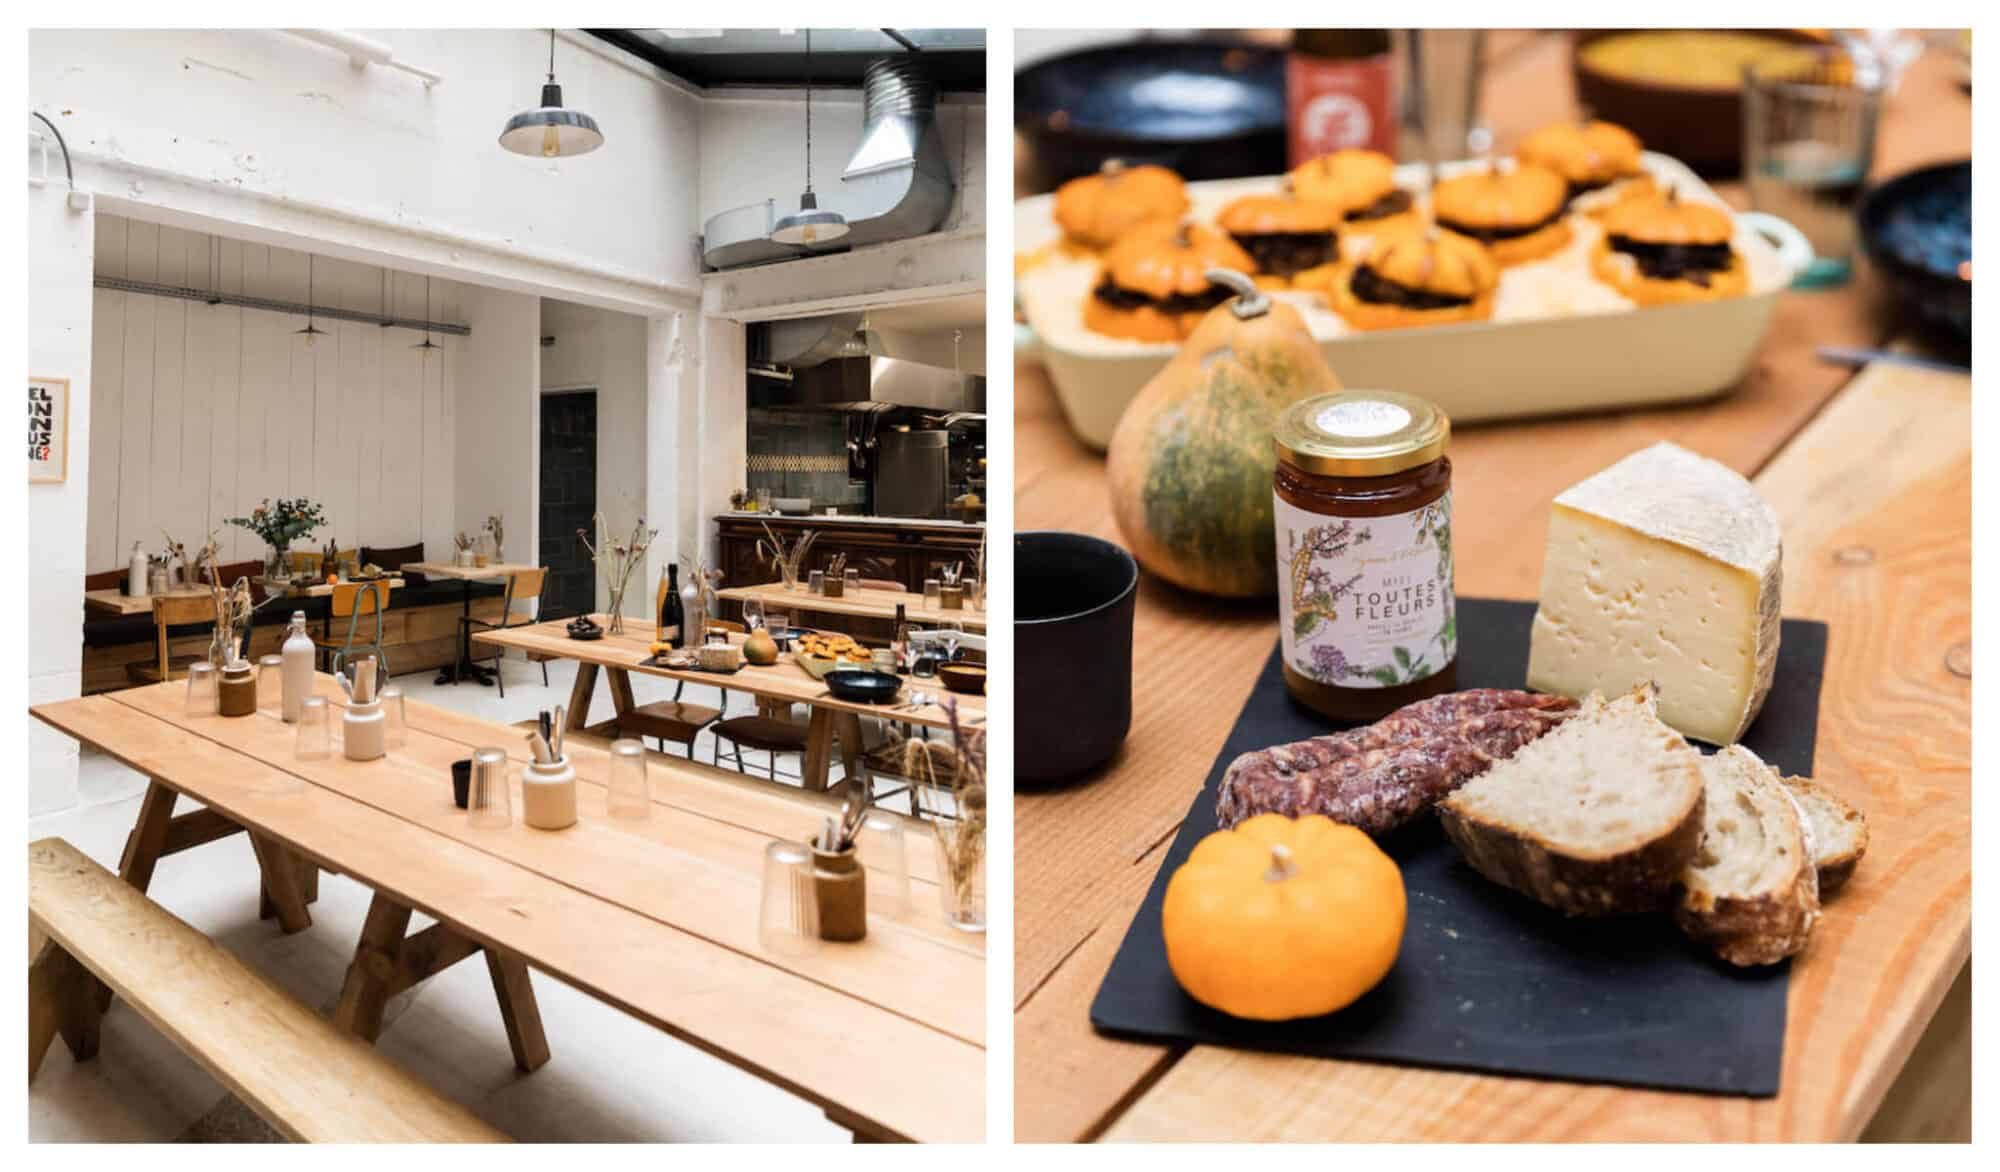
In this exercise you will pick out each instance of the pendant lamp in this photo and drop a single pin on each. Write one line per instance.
(809, 225)
(549, 131)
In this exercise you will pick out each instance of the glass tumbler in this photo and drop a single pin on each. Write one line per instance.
(816, 581)
(788, 914)
(850, 580)
(780, 627)
(395, 718)
(933, 593)
(491, 802)
(271, 683)
(314, 740)
(202, 689)
(885, 852)
(961, 880)
(753, 613)
(1808, 145)
(626, 794)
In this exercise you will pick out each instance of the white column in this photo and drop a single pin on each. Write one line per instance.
(60, 252)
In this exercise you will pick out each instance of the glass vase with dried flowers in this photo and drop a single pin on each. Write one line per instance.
(949, 783)
(788, 559)
(280, 523)
(615, 561)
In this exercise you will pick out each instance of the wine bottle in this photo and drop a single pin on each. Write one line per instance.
(901, 643)
(1337, 92)
(672, 614)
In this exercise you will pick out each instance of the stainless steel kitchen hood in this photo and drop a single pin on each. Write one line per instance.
(898, 183)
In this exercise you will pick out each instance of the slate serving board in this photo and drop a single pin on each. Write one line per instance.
(1489, 980)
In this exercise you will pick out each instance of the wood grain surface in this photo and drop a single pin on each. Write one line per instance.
(1085, 854)
(874, 604)
(798, 1031)
(783, 681)
(289, 1064)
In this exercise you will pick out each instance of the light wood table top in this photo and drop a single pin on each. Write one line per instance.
(784, 681)
(1871, 477)
(876, 604)
(658, 918)
(320, 588)
(466, 573)
(112, 600)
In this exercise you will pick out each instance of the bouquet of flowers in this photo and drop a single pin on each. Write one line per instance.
(280, 523)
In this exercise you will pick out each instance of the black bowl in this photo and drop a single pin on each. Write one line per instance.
(1917, 229)
(1208, 110)
(862, 685)
(1073, 603)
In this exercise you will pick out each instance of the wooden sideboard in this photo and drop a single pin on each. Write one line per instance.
(906, 552)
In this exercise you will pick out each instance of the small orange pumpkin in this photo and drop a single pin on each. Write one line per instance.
(1283, 918)
(1586, 154)
(1517, 212)
(1159, 272)
(1096, 209)
(1668, 221)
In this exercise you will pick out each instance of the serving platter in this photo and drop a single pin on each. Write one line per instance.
(1487, 979)
(1560, 341)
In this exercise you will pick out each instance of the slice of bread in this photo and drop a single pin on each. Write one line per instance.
(1839, 832)
(1752, 892)
(1598, 817)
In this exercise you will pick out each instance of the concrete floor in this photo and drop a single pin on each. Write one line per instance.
(611, 1079)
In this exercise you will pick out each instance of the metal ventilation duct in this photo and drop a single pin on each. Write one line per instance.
(898, 183)
(809, 341)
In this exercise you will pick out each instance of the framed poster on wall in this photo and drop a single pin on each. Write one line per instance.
(48, 430)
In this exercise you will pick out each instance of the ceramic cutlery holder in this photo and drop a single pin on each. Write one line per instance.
(840, 888)
(548, 794)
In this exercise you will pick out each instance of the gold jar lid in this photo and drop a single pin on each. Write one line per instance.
(1361, 433)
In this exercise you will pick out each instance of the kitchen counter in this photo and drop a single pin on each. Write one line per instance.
(820, 520)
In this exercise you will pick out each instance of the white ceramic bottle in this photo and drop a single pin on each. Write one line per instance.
(364, 729)
(297, 669)
(136, 573)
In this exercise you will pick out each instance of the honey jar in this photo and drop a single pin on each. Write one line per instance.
(1367, 617)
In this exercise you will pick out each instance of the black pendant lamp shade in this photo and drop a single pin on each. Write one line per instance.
(550, 131)
(311, 333)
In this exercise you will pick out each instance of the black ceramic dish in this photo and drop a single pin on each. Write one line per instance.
(1917, 229)
(1207, 110)
(862, 685)
(1073, 601)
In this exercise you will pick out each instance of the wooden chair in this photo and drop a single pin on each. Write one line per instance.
(525, 589)
(355, 601)
(91, 934)
(172, 612)
(760, 733)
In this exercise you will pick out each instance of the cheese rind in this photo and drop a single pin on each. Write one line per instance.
(1663, 567)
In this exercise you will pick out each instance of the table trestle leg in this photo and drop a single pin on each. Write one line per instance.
(389, 959)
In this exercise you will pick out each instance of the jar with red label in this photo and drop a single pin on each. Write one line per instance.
(1368, 619)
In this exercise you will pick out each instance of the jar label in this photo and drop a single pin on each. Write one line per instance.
(1366, 602)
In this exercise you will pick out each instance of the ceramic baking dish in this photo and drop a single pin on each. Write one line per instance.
(1568, 343)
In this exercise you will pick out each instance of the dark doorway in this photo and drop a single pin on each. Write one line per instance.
(569, 499)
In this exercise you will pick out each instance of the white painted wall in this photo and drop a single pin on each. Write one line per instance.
(59, 346)
(753, 147)
(605, 351)
(208, 409)
(262, 115)
(497, 419)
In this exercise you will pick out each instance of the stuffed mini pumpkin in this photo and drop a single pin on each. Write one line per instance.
(1190, 463)
(1283, 918)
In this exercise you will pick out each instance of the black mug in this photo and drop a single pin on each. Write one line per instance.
(1073, 602)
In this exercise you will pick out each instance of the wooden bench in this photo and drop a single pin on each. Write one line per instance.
(87, 928)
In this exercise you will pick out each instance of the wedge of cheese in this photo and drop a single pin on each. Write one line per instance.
(1662, 568)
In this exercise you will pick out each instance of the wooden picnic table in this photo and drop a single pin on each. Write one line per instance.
(783, 683)
(1871, 476)
(864, 602)
(112, 600)
(466, 575)
(657, 917)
